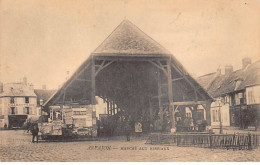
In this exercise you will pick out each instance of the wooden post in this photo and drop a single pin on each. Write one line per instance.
(111, 108)
(210, 140)
(195, 115)
(116, 108)
(160, 95)
(64, 96)
(170, 95)
(107, 107)
(151, 114)
(208, 113)
(249, 141)
(93, 83)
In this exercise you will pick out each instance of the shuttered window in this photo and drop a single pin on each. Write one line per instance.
(27, 110)
(12, 110)
(27, 99)
(11, 100)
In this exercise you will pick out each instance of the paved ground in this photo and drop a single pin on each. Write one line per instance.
(17, 146)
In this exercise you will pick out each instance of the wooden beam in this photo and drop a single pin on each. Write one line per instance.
(170, 95)
(158, 66)
(103, 66)
(189, 103)
(184, 76)
(175, 108)
(83, 80)
(177, 79)
(64, 96)
(93, 83)
(77, 74)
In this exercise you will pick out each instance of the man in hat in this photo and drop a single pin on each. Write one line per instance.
(35, 132)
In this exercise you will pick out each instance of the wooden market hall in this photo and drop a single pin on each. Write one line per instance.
(138, 79)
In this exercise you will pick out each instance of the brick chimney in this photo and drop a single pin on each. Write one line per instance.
(44, 87)
(245, 62)
(31, 87)
(228, 69)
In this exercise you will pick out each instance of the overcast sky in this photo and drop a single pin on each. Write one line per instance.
(43, 39)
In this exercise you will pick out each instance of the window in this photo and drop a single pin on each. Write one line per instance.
(27, 110)
(26, 99)
(12, 110)
(11, 100)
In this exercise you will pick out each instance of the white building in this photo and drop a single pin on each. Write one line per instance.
(237, 95)
(17, 103)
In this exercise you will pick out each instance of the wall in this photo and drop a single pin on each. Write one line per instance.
(224, 110)
(19, 104)
(253, 95)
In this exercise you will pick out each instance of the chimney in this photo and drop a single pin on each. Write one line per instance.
(44, 86)
(25, 80)
(1, 87)
(218, 71)
(31, 87)
(228, 69)
(245, 62)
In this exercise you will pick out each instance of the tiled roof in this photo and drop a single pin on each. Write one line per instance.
(235, 81)
(128, 39)
(43, 94)
(17, 89)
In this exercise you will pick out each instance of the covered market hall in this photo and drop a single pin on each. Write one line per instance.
(139, 80)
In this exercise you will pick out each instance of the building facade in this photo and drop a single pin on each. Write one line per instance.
(18, 102)
(236, 94)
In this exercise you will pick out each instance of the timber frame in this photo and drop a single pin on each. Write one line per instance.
(164, 64)
(133, 74)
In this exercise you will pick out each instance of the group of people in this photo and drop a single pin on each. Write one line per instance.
(185, 124)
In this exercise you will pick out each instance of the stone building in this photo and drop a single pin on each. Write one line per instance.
(17, 103)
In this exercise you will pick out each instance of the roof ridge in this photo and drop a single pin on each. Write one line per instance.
(129, 39)
(207, 74)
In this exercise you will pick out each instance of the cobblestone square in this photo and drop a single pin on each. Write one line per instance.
(16, 146)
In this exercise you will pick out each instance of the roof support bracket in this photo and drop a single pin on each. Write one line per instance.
(103, 66)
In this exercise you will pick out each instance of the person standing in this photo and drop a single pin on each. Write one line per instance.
(127, 130)
(35, 132)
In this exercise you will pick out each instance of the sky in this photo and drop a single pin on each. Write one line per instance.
(42, 40)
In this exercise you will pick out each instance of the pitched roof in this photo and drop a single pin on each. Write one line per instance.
(205, 80)
(235, 81)
(128, 39)
(17, 89)
(43, 94)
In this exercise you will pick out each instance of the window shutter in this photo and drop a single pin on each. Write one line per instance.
(15, 111)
